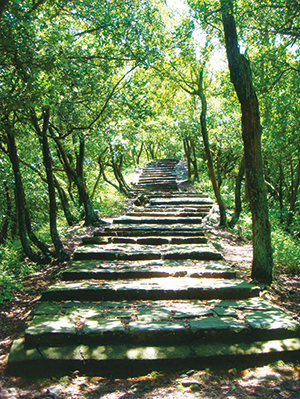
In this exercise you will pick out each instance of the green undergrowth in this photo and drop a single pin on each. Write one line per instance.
(110, 203)
(12, 267)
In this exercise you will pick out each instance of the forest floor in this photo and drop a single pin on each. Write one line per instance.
(277, 380)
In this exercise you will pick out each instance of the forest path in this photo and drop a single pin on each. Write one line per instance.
(150, 292)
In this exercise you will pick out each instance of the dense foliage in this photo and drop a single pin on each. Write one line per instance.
(88, 91)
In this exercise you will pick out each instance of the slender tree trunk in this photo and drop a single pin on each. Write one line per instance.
(188, 156)
(237, 195)
(59, 249)
(4, 228)
(140, 153)
(281, 177)
(70, 218)
(117, 168)
(20, 199)
(208, 153)
(240, 74)
(91, 218)
(194, 162)
(294, 196)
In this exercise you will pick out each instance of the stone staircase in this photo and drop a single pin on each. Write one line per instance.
(148, 292)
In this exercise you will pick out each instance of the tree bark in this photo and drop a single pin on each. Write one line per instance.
(188, 156)
(237, 195)
(59, 249)
(20, 199)
(294, 196)
(240, 73)
(210, 164)
(4, 228)
(90, 218)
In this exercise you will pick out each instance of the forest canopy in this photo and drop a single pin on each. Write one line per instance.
(91, 90)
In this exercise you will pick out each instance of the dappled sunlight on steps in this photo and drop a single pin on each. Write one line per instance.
(150, 292)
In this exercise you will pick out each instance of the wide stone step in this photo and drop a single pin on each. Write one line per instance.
(166, 322)
(135, 230)
(157, 175)
(178, 208)
(146, 252)
(126, 360)
(151, 289)
(114, 270)
(157, 220)
(176, 195)
(158, 186)
(121, 337)
(144, 240)
(144, 213)
(180, 200)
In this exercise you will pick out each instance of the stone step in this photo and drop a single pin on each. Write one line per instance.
(146, 252)
(175, 194)
(178, 208)
(180, 201)
(152, 213)
(161, 288)
(157, 174)
(147, 323)
(114, 270)
(158, 186)
(151, 230)
(144, 240)
(127, 360)
(157, 220)
(157, 178)
(92, 336)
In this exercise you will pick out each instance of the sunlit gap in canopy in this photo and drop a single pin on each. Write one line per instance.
(218, 59)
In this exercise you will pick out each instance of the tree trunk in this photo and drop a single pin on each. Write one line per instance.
(20, 199)
(241, 78)
(59, 249)
(4, 228)
(237, 195)
(188, 156)
(194, 162)
(90, 218)
(208, 153)
(140, 153)
(281, 178)
(294, 196)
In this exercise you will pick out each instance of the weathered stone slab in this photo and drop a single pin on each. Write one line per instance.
(157, 331)
(167, 214)
(152, 289)
(272, 322)
(109, 270)
(125, 360)
(136, 230)
(180, 200)
(256, 303)
(216, 328)
(46, 308)
(144, 252)
(157, 220)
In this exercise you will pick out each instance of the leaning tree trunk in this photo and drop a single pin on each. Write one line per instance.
(240, 73)
(91, 218)
(237, 195)
(59, 249)
(20, 199)
(210, 164)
